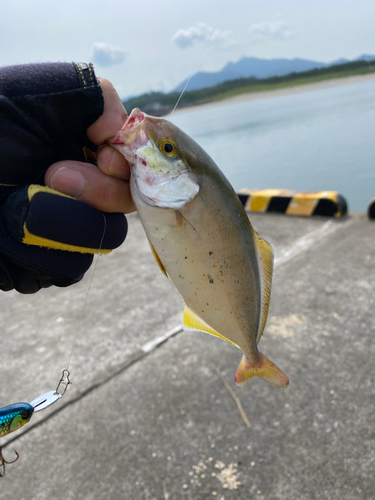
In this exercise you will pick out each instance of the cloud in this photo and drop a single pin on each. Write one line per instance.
(270, 30)
(201, 32)
(107, 55)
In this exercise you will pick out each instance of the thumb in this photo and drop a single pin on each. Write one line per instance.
(87, 183)
(113, 117)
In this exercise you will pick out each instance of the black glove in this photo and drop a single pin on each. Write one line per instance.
(45, 110)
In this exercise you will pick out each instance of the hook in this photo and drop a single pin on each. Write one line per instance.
(3, 461)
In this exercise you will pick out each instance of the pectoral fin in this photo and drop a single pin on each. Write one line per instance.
(192, 322)
(265, 258)
(158, 261)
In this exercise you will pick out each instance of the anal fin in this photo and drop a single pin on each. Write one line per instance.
(192, 322)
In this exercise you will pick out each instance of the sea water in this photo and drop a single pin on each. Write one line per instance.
(317, 140)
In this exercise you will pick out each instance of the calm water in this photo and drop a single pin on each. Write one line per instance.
(312, 141)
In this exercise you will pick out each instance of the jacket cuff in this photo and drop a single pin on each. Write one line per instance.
(45, 78)
(86, 75)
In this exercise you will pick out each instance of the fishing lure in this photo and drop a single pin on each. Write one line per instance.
(13, 417)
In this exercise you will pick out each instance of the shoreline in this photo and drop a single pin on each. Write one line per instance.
(253, 96)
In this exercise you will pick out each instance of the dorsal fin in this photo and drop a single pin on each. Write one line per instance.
(158, 261)
(192, 322)
(265, 256)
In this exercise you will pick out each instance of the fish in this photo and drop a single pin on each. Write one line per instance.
(201, 238)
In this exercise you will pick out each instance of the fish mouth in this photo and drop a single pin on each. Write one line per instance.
(135, 118)
(133, 135)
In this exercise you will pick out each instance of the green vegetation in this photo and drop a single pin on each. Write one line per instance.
(158, 103)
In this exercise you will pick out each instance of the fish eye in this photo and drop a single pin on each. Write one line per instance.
(25, 414)
(168, 147)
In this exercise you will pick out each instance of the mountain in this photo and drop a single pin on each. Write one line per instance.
(365, 57)
(258, 68)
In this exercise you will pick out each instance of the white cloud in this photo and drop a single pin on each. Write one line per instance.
(107, 55)
(270, 30)
(201, 32)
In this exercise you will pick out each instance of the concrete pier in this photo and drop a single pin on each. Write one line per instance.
(148, 417)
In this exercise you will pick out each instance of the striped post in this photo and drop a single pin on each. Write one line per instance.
(371, 209)
(328, 203)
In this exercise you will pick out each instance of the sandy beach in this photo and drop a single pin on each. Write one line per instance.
(252, 96)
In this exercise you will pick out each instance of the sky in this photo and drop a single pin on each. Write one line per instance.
(153, 45)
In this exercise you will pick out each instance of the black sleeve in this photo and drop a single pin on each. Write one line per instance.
(45, 110)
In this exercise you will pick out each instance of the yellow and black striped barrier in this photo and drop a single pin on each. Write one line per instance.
(328, 203)
(371, 209)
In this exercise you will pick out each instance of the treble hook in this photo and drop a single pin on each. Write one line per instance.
(3, 461)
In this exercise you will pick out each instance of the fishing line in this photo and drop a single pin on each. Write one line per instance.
(78, 328)
(200, 57)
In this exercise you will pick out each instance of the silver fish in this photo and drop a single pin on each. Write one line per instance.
(201, 238)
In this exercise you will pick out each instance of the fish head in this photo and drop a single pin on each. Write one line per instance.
(157, 150)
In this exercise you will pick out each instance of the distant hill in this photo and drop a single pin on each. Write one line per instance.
(159, 103)
(253, 67)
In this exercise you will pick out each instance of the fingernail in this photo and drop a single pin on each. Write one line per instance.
(68, 181)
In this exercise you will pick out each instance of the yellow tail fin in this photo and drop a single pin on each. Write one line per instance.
(263, 368)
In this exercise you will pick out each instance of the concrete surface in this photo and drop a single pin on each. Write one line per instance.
(149, 418)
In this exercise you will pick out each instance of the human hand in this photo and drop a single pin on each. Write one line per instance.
(55, 117)
(105, 188)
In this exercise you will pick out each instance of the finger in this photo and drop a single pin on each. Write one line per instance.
(88, 184)
(113, 163)
(113, 117)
